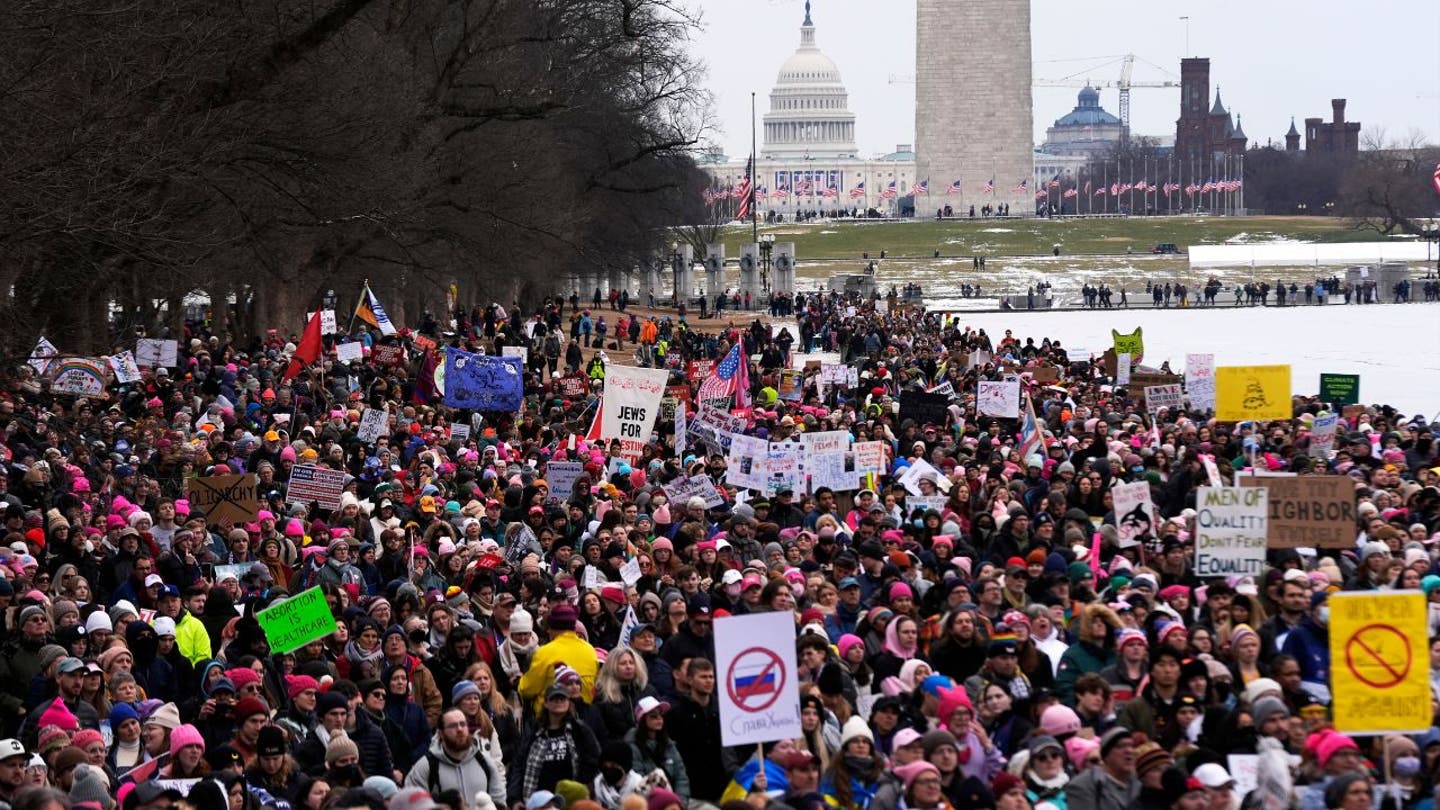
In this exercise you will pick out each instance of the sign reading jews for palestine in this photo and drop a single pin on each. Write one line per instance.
(297, 621)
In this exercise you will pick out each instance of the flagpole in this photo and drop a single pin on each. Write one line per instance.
(754, 172)
(349, 328)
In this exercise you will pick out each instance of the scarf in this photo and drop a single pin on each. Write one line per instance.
(367, 662)
(515, 659)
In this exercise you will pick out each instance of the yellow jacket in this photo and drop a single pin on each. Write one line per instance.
(565, 648)
(192, 639)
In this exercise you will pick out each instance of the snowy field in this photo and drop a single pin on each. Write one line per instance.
(1395, 348)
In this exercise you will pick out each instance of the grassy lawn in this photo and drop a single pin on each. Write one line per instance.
(1031, 237)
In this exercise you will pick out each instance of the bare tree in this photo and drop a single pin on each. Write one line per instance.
(1390, 186)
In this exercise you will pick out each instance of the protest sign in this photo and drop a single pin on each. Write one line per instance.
(1134, 512)
(755, 666)
(1132, 344)
(681, 430)
(1200, 381)
(352, 352)
(78, 376)
(328, 324)
(1122, 368)
(835, 470)
(714, 427)
(1230, 531)
(222, 498)
(561, 476)
(235, 572)
(574, 386)
(1162, 396)
(483, 382)
(125, 368)
(745, 463)
(792, 385)
(631, 403)
(387, 355)
(921, 469)
(1322, 435)
(1379, 662)
(869, 458)
(459, 432)
(697, 370)
(522, 352)
(311, 483)
(630, 571)
(1340, 389)
(42, 354)
(826, 441)
(1252, 393)
(297, 621)
(925, 503)
(154, 353)
(924, 408)
(374, 423)
(683, 489)
(999, 398)
(1313, 511)
(782, 469)
(1045, 375)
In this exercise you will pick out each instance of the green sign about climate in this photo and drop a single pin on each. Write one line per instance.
(1340, 389)
(297, 621)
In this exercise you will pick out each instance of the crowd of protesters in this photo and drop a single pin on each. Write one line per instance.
(1003, 650)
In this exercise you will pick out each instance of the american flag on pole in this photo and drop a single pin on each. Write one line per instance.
(889, 193)
(1069, 192)
(1087, 186)
(988, 187)
(831, 192)
(746, 192)
(1208, 187)
(1191, 189)
(1023, 185)
(1141, 186)
(1031, 439)
(858, 191)
(1041, 194)
(731, 377)
(1436, 178)
(780, 193)
(802, 188)
(1100, 192)
(954, 187)
(1055, 182)
(922, 187)
(1114, 189)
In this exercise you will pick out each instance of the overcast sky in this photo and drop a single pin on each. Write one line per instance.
(1271, 59)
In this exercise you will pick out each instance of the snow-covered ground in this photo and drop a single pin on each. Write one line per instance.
(1395, 348)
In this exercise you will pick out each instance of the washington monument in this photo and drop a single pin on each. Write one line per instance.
(973, 110)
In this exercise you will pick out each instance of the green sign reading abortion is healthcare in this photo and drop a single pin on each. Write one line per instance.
(297, 621)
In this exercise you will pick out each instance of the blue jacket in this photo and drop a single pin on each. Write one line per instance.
(1310, 644)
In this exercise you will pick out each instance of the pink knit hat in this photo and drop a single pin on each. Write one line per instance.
(1331, 743)
(950, 700)
(1078, 748)
(60, 716)
(911, 771)
(185, 735)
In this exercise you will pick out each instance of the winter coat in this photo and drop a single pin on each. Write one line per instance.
(1093, 790)
(470, 775)
(668, 761)
(565, 648)
(409, 720)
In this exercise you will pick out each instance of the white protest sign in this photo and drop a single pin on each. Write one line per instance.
(755, 666)
(714, 427)
(631, 404)
(590, 580)
(1322, 435)
(311, 483)
(1134, 513)
(782, 469)
(696, 486)
(826, 441)
(459, 432)
(630, 571)
(351, 352)
(1163, 396)
(999, 398)
(42, 354)
(153, 353)
(1122, 368)
(373, 424)
(1245, 770)
(78, 376)
(561, 476)
(328, 325)
(682, 441)
(1200, 381)
(979, 358)
(870, 458)
(1230, 526)
(125, 368)
(1212, 470)
(925, 502)
(235, 572)
(833, 470)
(745, 465)
(521, 352)
(918, 469)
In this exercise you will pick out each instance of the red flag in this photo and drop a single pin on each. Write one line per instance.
(309, 349)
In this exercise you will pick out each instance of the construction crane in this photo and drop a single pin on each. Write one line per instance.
(1124, 84)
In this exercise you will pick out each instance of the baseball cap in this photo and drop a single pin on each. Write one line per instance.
(544, 798)
(69, 666)
(849, 582)
(11, 748)
(1213, 775)
(152, 580)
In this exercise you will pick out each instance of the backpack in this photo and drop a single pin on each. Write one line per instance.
(432, 784)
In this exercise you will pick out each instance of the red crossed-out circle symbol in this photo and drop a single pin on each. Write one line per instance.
(1378, 656)
(755, 679)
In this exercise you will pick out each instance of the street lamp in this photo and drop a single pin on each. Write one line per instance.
(1431, 232)
(677, 265)
(1301, 208)
(767, 246)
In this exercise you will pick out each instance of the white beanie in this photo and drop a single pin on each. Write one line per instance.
(855, 728)
(99, 620)
(137, 516)
(521, 621)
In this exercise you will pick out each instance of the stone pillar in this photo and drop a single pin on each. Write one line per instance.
(750, 273)
(784, 258)
(714, 269)
(681, 262)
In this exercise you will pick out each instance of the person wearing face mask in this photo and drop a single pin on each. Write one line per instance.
(1309, 643)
